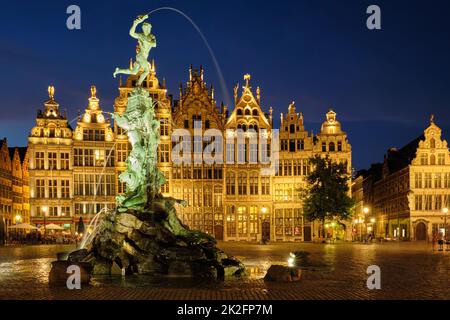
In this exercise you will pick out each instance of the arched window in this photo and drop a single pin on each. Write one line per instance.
(339, 146)
(244, 127)
(432, 143)
(247, 112)
(331, 147)
(324, 147)
(432, 160)
(255, 127)
(255, 112)
(239, 112)
(239, 126)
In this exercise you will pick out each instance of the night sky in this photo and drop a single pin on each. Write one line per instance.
(383, 84)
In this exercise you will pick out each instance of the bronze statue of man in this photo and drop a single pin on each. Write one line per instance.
(146, 41)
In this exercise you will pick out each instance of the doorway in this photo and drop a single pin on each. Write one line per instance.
(421, 231)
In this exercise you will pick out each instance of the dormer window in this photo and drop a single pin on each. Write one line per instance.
(331, 147)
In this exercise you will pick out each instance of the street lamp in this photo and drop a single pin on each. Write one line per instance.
(18, 218)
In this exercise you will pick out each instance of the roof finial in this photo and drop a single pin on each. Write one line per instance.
(247, 78)
(432, 119)
(93, 92)
(51, 92)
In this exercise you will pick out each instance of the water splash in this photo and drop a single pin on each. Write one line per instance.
(211, 52)
(95, 222)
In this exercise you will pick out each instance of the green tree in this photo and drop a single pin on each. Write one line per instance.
(326, 196)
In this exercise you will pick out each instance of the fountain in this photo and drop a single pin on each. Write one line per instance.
(143, 235)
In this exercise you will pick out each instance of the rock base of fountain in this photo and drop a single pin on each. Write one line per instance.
(155, 242)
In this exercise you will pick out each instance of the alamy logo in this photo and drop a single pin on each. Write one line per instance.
(374, 280)
(74, 280)
(237, 147)
(374, 20)
(74, 20)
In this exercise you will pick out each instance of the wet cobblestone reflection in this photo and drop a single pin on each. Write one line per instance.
(333, 271)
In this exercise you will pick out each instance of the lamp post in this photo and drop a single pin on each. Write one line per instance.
(372, 221)
(365, 211)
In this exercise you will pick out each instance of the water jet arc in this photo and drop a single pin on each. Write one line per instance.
(211, 52)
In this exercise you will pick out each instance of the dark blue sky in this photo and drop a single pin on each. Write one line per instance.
(383, 84)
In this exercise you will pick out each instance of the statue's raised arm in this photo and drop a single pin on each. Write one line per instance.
(146, 41)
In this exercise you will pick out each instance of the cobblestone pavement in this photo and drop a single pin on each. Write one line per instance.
(334, 271)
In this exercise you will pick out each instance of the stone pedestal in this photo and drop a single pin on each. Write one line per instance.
(155, 242)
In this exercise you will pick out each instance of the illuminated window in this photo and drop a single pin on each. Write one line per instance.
(418, 202)
(231, 184)
(64, 161)
(253, 220)
(65, 189)
(99, 157)
(52, 189)
(265, 185)
(52, 161)
(253, 183)
(418, 180)
(231, 221)
(207, 197)
(428, 202)
(218, 197)
(164, 127)
(40, 188)
(242, 183)
(437, 202)
(39, 160)
(163, 151)
(428, 180)
(437, 180)
(242, 221)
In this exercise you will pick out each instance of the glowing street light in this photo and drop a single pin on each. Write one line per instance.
(18, 218)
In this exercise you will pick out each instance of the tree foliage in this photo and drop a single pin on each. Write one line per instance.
(326, 196)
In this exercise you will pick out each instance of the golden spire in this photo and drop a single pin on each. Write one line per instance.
(247, 78)
(93, 92)
(131, 63)
(432, 119)
(51, 92)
